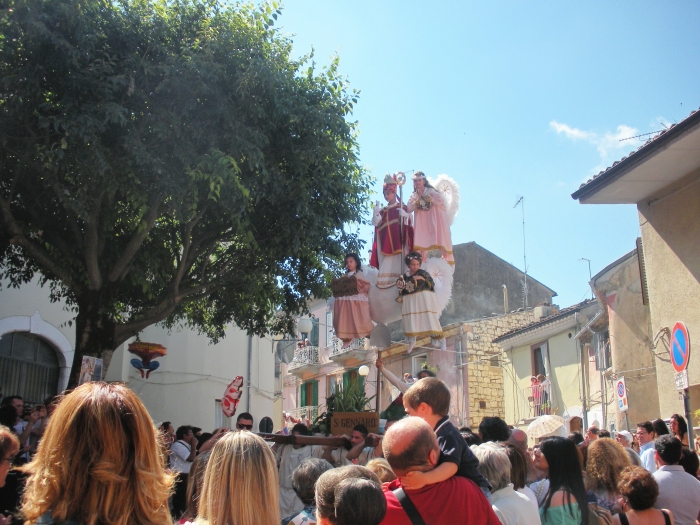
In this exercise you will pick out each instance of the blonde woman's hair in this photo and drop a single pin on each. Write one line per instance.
(382, 469)
(606, 460)
(9, 444)
(99, 462)
(240, 483)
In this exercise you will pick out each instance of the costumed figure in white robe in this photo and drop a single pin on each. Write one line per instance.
(290, 457)
(419, 306)
(431, 219)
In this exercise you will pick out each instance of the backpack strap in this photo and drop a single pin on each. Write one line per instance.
(667, 520)
(408, 506)
(623, 518)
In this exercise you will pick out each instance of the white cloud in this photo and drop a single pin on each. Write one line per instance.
(659, 123)
(608, 145)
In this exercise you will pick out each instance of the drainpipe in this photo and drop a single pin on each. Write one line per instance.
(250, 358)
(505, 299)
(461, 375)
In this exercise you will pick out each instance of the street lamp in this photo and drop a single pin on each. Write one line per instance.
(305, 326)
(363, 370)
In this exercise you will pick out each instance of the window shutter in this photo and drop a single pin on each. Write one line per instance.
(302, 395)
(314, 395)
(314, 332)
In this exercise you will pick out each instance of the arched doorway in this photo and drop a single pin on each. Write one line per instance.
(29, 367)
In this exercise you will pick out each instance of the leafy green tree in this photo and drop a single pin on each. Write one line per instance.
(170, 162)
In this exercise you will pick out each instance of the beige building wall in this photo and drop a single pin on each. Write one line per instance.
(670, 224)
(565, 375)
(620, 291)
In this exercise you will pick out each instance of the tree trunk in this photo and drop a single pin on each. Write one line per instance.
(94, 332)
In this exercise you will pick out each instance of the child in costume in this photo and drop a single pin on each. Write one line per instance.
(419, 304)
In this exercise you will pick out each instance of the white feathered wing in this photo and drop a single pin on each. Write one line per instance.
(450, 191)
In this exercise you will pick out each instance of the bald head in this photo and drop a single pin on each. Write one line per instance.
(411, 444)
(518, 438)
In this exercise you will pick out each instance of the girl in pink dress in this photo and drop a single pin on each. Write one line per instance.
(430, 221)
(351, 318)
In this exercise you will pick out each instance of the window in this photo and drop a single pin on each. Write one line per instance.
(308, 394)
(351, 376)
(418, 362)
(328, 329)
(603, 358)
(28, 367)
(333, 382)
(538, 358)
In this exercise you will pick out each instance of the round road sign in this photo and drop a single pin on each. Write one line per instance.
(620, 389)
(680, 347)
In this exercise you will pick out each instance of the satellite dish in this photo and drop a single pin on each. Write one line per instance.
(285, 350)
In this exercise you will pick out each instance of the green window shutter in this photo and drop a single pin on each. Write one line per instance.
(346, 380)
(314, 394)
(302, 395)
(314, 332)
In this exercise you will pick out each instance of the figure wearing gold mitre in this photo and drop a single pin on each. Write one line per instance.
(393, 236)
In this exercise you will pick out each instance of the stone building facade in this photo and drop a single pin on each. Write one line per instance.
(471, 367)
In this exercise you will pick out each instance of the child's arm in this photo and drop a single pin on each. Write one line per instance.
(417, 480)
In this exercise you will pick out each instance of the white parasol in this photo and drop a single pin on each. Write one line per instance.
(544, 426)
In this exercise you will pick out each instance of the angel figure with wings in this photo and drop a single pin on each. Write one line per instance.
(434, 212)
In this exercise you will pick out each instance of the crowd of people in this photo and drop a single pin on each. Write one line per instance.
(99, 459)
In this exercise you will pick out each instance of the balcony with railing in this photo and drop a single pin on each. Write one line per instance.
(305, 415)
(357, 350)
(306, 360)
(536, 401)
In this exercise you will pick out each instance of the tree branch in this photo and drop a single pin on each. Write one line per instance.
(79, 239)
(42, 258)
(91, 250)
(159, 312)
(185, 261)
(134, 244)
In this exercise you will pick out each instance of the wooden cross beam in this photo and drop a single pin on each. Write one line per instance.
(313, 440)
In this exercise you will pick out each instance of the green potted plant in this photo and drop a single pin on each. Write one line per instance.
(345, 405)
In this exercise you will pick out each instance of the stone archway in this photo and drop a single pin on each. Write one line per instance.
(37, 326)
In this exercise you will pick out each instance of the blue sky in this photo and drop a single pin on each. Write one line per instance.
(512, 99)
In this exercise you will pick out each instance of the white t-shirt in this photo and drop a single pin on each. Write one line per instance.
(514, 508)
(179, 452)
(340, 459)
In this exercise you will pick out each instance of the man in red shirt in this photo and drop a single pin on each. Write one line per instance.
(411, 445)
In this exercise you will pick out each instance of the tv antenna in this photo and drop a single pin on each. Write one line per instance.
(521, 201)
